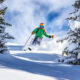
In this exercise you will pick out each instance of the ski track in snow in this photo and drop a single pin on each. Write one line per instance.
(21, 65)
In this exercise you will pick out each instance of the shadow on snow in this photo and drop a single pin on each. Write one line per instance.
(54, 70)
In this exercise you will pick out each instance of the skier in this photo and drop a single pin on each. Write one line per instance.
(39, 32)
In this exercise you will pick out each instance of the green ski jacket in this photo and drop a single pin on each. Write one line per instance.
(40, 32)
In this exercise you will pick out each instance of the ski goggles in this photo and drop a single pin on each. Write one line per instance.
(41, 26)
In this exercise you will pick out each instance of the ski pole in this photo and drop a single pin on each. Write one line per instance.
(27, 40)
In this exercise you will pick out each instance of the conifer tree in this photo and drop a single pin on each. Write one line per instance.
(4, 36)
(72, 50)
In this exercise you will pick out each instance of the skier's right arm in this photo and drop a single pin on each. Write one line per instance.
(34, 31)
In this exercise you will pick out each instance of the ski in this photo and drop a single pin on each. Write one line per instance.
(29, 49)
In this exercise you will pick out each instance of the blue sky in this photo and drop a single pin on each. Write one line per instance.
(25, 15)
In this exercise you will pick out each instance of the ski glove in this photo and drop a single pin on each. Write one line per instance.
(32, 33)
(52, 36)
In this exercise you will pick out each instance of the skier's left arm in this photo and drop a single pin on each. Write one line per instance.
(49, 36)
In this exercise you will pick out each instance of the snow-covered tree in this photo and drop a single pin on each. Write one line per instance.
(73, 37)
(4, 36)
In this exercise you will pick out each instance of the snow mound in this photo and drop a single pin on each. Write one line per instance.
(74, 25)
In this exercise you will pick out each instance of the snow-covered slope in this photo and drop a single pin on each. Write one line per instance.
(21, 65)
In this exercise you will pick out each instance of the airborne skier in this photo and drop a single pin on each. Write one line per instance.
(39, 32)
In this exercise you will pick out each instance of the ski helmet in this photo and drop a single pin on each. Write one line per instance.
(42, 25)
